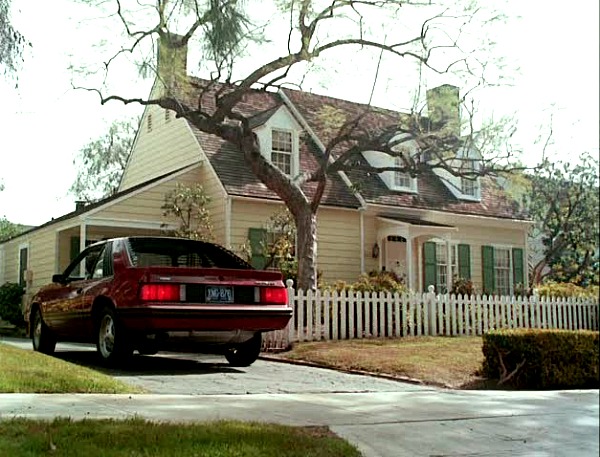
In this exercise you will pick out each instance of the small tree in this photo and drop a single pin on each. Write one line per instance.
(564, 203)
(9, 229)
(101, 162)
(189, 206)
(280, 246)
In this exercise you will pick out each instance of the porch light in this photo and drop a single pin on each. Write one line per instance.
(375, 251)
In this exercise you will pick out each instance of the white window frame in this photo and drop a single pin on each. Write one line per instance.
(509, 248)
(442, 246)
(294, 153)
(22, 246)
(474, 184)
(412, 182)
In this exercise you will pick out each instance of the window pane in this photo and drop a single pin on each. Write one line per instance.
(282, 161)
(282, 141)
(502, 271)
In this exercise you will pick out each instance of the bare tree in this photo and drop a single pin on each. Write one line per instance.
(12, 42)
(315, 29)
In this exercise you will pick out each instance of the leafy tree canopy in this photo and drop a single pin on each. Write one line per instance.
(100, 163)
(564, 203)
(11, 42)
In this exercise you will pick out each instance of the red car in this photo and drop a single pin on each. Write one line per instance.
(159, 293)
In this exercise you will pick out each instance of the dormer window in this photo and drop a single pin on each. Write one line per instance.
(281, 150)
(468, 183)
(401, 178)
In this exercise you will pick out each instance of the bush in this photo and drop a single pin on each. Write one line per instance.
(10, 303)
(566, 289)
(462, 286)
(375, 281)
(542, 359)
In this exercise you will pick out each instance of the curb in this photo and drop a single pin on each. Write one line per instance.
(389, 377)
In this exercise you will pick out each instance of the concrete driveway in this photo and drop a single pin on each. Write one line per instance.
(382, 418)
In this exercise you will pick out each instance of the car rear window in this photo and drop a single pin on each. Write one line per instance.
(168, 252)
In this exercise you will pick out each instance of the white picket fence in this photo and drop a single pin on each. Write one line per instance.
(328, 315)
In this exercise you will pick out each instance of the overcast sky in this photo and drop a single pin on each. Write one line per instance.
(44, 123)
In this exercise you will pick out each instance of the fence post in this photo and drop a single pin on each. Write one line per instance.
(292, 304)
(432, 304)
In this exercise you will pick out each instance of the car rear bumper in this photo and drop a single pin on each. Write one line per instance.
(161, 318)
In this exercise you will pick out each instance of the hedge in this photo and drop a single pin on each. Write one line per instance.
(542, 359)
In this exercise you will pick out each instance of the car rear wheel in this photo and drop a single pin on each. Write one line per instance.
(245, 354)
(41, 337)
(112, 345)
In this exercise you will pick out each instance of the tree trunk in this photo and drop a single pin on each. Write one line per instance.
(306, 229)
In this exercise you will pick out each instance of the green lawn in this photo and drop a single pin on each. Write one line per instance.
(137, 438)
(24, 371)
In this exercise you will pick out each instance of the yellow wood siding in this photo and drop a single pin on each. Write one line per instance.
(146, 206)
(338, 234)
(169, 146)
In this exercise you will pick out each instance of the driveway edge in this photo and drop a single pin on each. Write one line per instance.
(389, 377)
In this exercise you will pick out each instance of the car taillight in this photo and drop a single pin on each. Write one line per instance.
(274, 295)
(160, 292)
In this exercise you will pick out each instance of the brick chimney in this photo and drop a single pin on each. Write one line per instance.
(172, 59)
(443, 106)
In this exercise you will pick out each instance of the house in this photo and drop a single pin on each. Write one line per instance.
(428, 229)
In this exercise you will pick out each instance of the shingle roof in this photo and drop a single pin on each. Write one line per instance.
(321, 113)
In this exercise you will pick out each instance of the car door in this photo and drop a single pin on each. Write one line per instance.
(63, 305)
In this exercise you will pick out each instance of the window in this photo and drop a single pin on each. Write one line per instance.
(23, 263)
(441, 257)
(85, 265)
(503, 270)
(281, 150)
(401, 179)
(435, 256)
(468, 184)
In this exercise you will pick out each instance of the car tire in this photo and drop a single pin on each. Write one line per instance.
(42, 338)
(111, 344)
(245, 354)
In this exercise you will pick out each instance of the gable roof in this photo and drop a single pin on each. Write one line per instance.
(228, 162)
(322, 114)
(92, 206)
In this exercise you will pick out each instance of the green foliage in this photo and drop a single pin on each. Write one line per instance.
(10, 303)
(8, 229)
(542, 359)
(462, 286)
(564, 201)
(566, 289)
(375, 281)
(188, 205)
(101, 162)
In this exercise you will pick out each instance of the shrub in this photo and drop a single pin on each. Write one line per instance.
(375, 281)
(566, 289)
(10, 303)
(542, 359)
(462, 286)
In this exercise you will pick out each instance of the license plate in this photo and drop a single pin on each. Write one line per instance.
(219, 294)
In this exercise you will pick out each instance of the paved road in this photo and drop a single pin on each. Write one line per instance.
(382, 418)
(191, 374)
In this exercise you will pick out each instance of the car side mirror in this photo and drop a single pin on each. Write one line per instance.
(58, 278)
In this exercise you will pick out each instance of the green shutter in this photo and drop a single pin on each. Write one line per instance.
(518, 276)
(487, 260)
(257, 237)
(464, 261)
(430, 267)
(75, 241)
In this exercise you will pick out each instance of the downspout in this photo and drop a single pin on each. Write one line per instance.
(526, 261)
(361, 216)
(227, 209)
